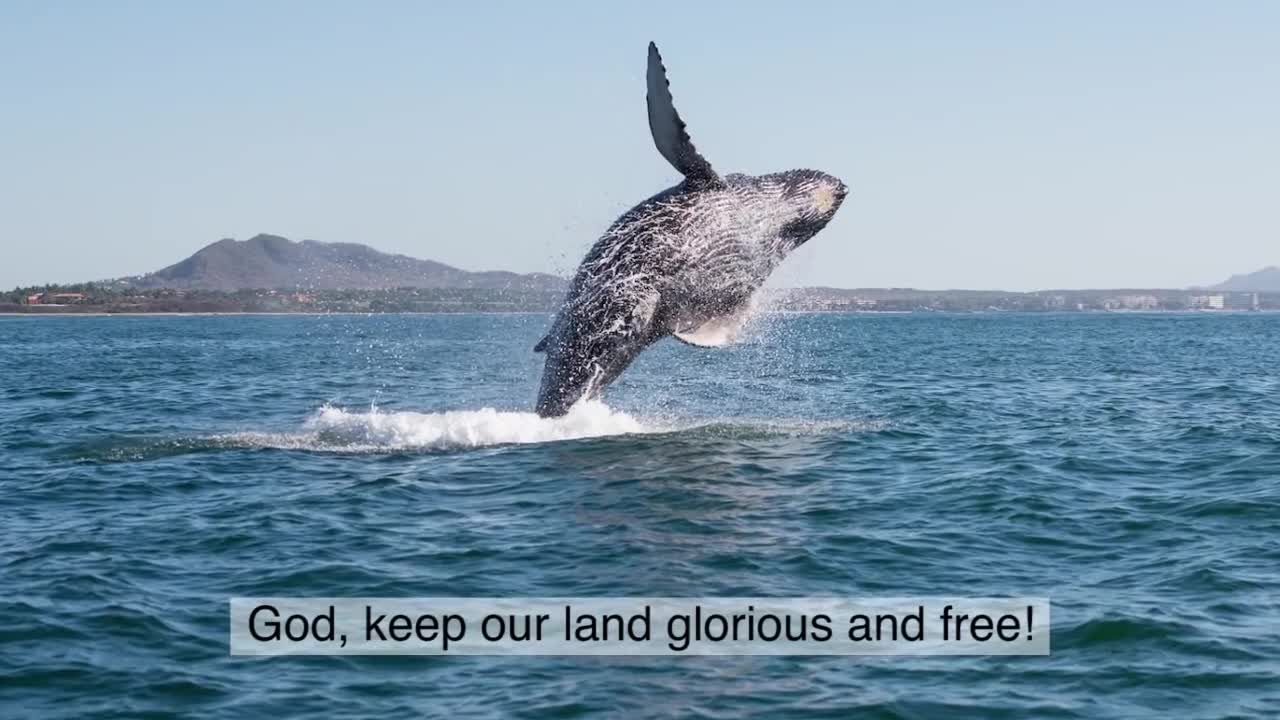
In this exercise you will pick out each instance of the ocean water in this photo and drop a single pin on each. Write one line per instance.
(1125, 466)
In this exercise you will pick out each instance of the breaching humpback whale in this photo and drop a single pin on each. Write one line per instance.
(685, 262)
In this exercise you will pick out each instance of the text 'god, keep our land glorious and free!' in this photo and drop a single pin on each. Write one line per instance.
(639, 626)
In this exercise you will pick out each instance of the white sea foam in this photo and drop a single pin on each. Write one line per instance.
(341, 430)
(336, 429)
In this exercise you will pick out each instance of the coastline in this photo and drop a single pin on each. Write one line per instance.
(262, 313)
(74, 313)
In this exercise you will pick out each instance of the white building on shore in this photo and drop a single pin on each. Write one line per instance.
(1206, 302)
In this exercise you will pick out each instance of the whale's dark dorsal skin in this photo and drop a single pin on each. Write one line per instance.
(685, 262)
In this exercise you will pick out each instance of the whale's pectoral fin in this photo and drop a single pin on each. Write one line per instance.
(718, 331)
(668, 129)
(542, 344)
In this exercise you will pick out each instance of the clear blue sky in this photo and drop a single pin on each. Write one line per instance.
(988, 145)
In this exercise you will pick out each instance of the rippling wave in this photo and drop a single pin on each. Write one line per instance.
(1123, 466)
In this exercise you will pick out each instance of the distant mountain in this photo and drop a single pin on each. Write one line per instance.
(1264, 280)
(269, 261)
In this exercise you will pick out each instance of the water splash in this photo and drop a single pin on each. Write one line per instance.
(338, 430)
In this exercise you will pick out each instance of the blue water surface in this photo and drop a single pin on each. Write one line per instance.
(1125, 466)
